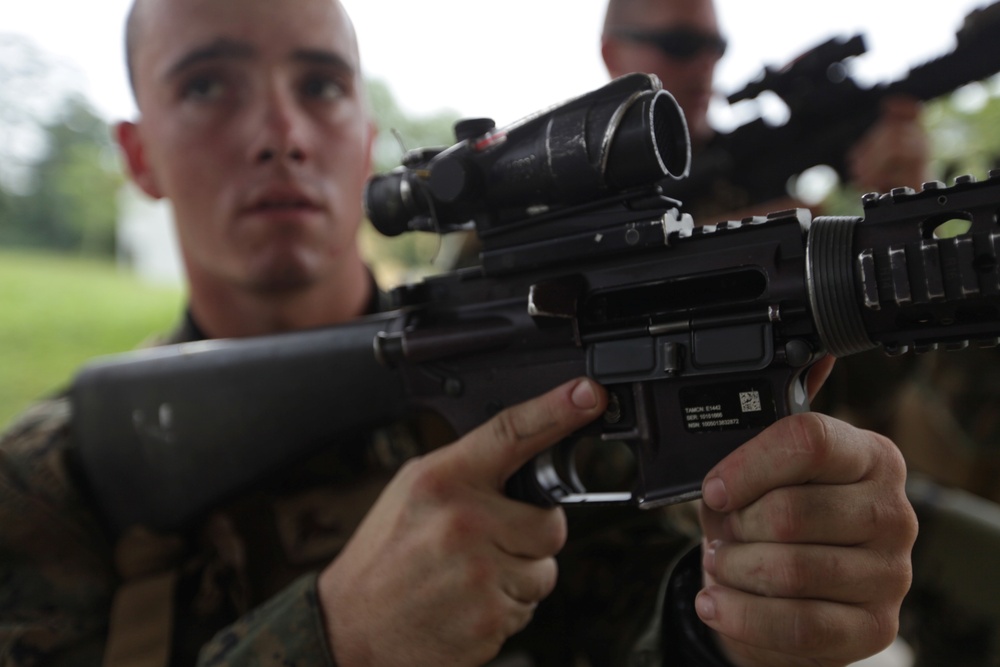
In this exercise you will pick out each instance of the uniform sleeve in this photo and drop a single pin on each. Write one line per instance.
(56, 569)
(286, 630)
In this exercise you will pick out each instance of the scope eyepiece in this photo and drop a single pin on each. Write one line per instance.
(389, 202)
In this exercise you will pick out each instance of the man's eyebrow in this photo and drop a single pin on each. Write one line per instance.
(220, 48)
(323, 57)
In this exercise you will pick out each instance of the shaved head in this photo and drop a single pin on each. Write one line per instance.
(655, 13)
(622, 13)
(143, 13)
(254, 123)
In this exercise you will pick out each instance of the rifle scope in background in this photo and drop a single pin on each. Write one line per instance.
(626, 136)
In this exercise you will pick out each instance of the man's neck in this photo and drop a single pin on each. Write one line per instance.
(225, 312)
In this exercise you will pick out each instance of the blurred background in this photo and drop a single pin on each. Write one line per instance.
(88, 266)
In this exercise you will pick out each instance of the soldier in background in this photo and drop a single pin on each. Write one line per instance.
(681, 42)
(940, 408)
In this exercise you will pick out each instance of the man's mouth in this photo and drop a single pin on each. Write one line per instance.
(282, 205)
(282, 202)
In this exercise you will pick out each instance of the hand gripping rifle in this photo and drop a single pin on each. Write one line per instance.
(828, 113)
(702, 335)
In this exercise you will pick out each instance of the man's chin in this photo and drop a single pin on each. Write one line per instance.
(281, 276)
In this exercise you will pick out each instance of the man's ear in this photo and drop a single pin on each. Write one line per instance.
(130, 142)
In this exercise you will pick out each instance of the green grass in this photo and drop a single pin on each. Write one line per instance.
(57, 312)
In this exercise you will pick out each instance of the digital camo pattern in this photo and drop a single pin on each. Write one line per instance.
(56, 573)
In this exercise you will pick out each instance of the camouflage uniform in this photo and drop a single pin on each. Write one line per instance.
(55, 563)
(241, 588)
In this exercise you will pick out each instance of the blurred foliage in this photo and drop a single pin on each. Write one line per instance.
(70, 205)
(408, 256)
(964, 130)
(28, 77)
(59, 175)
(60, 311)
(400, 131)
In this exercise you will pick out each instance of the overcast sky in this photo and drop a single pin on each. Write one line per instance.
(509, 59)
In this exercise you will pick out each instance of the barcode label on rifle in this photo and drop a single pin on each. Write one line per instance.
(750, 401)
(727, 406)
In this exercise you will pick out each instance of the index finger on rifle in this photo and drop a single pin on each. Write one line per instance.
(514, 436)
(807, 448)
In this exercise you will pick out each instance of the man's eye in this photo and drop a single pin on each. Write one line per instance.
(323, 88)
(203, 89)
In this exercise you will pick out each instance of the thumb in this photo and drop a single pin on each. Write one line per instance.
(495, 450)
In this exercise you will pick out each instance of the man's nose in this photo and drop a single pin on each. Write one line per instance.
(281, 131)
(704, 63)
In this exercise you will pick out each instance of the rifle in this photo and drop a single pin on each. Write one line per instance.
(828, 113)
(702, 335)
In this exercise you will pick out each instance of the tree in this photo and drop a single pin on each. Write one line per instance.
(965, 128)
(399, 131)
(27, 78)
(58, 180)
(70, 200)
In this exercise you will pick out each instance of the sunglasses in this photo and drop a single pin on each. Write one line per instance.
(678, 43)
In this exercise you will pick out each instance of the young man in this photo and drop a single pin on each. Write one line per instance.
(254, 124)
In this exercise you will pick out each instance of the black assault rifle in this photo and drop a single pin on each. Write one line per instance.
(702, 335)
(828, 112)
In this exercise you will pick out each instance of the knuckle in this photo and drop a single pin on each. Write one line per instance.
(891, 458)
(893, 513)
(787, 574)
(892, 518)
(504, 426)
(558, 530)
(793, 577)
(785, 515)
(547, 578)
(812, 438)
(884, 626)
(480, 573)
(816, 632)
(460, 528)
(896, 577)
(813, 631)
(428, 483)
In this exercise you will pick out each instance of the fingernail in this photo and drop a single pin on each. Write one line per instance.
(704, 604)
(714, 494)
(583, 395)
(708, 557)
